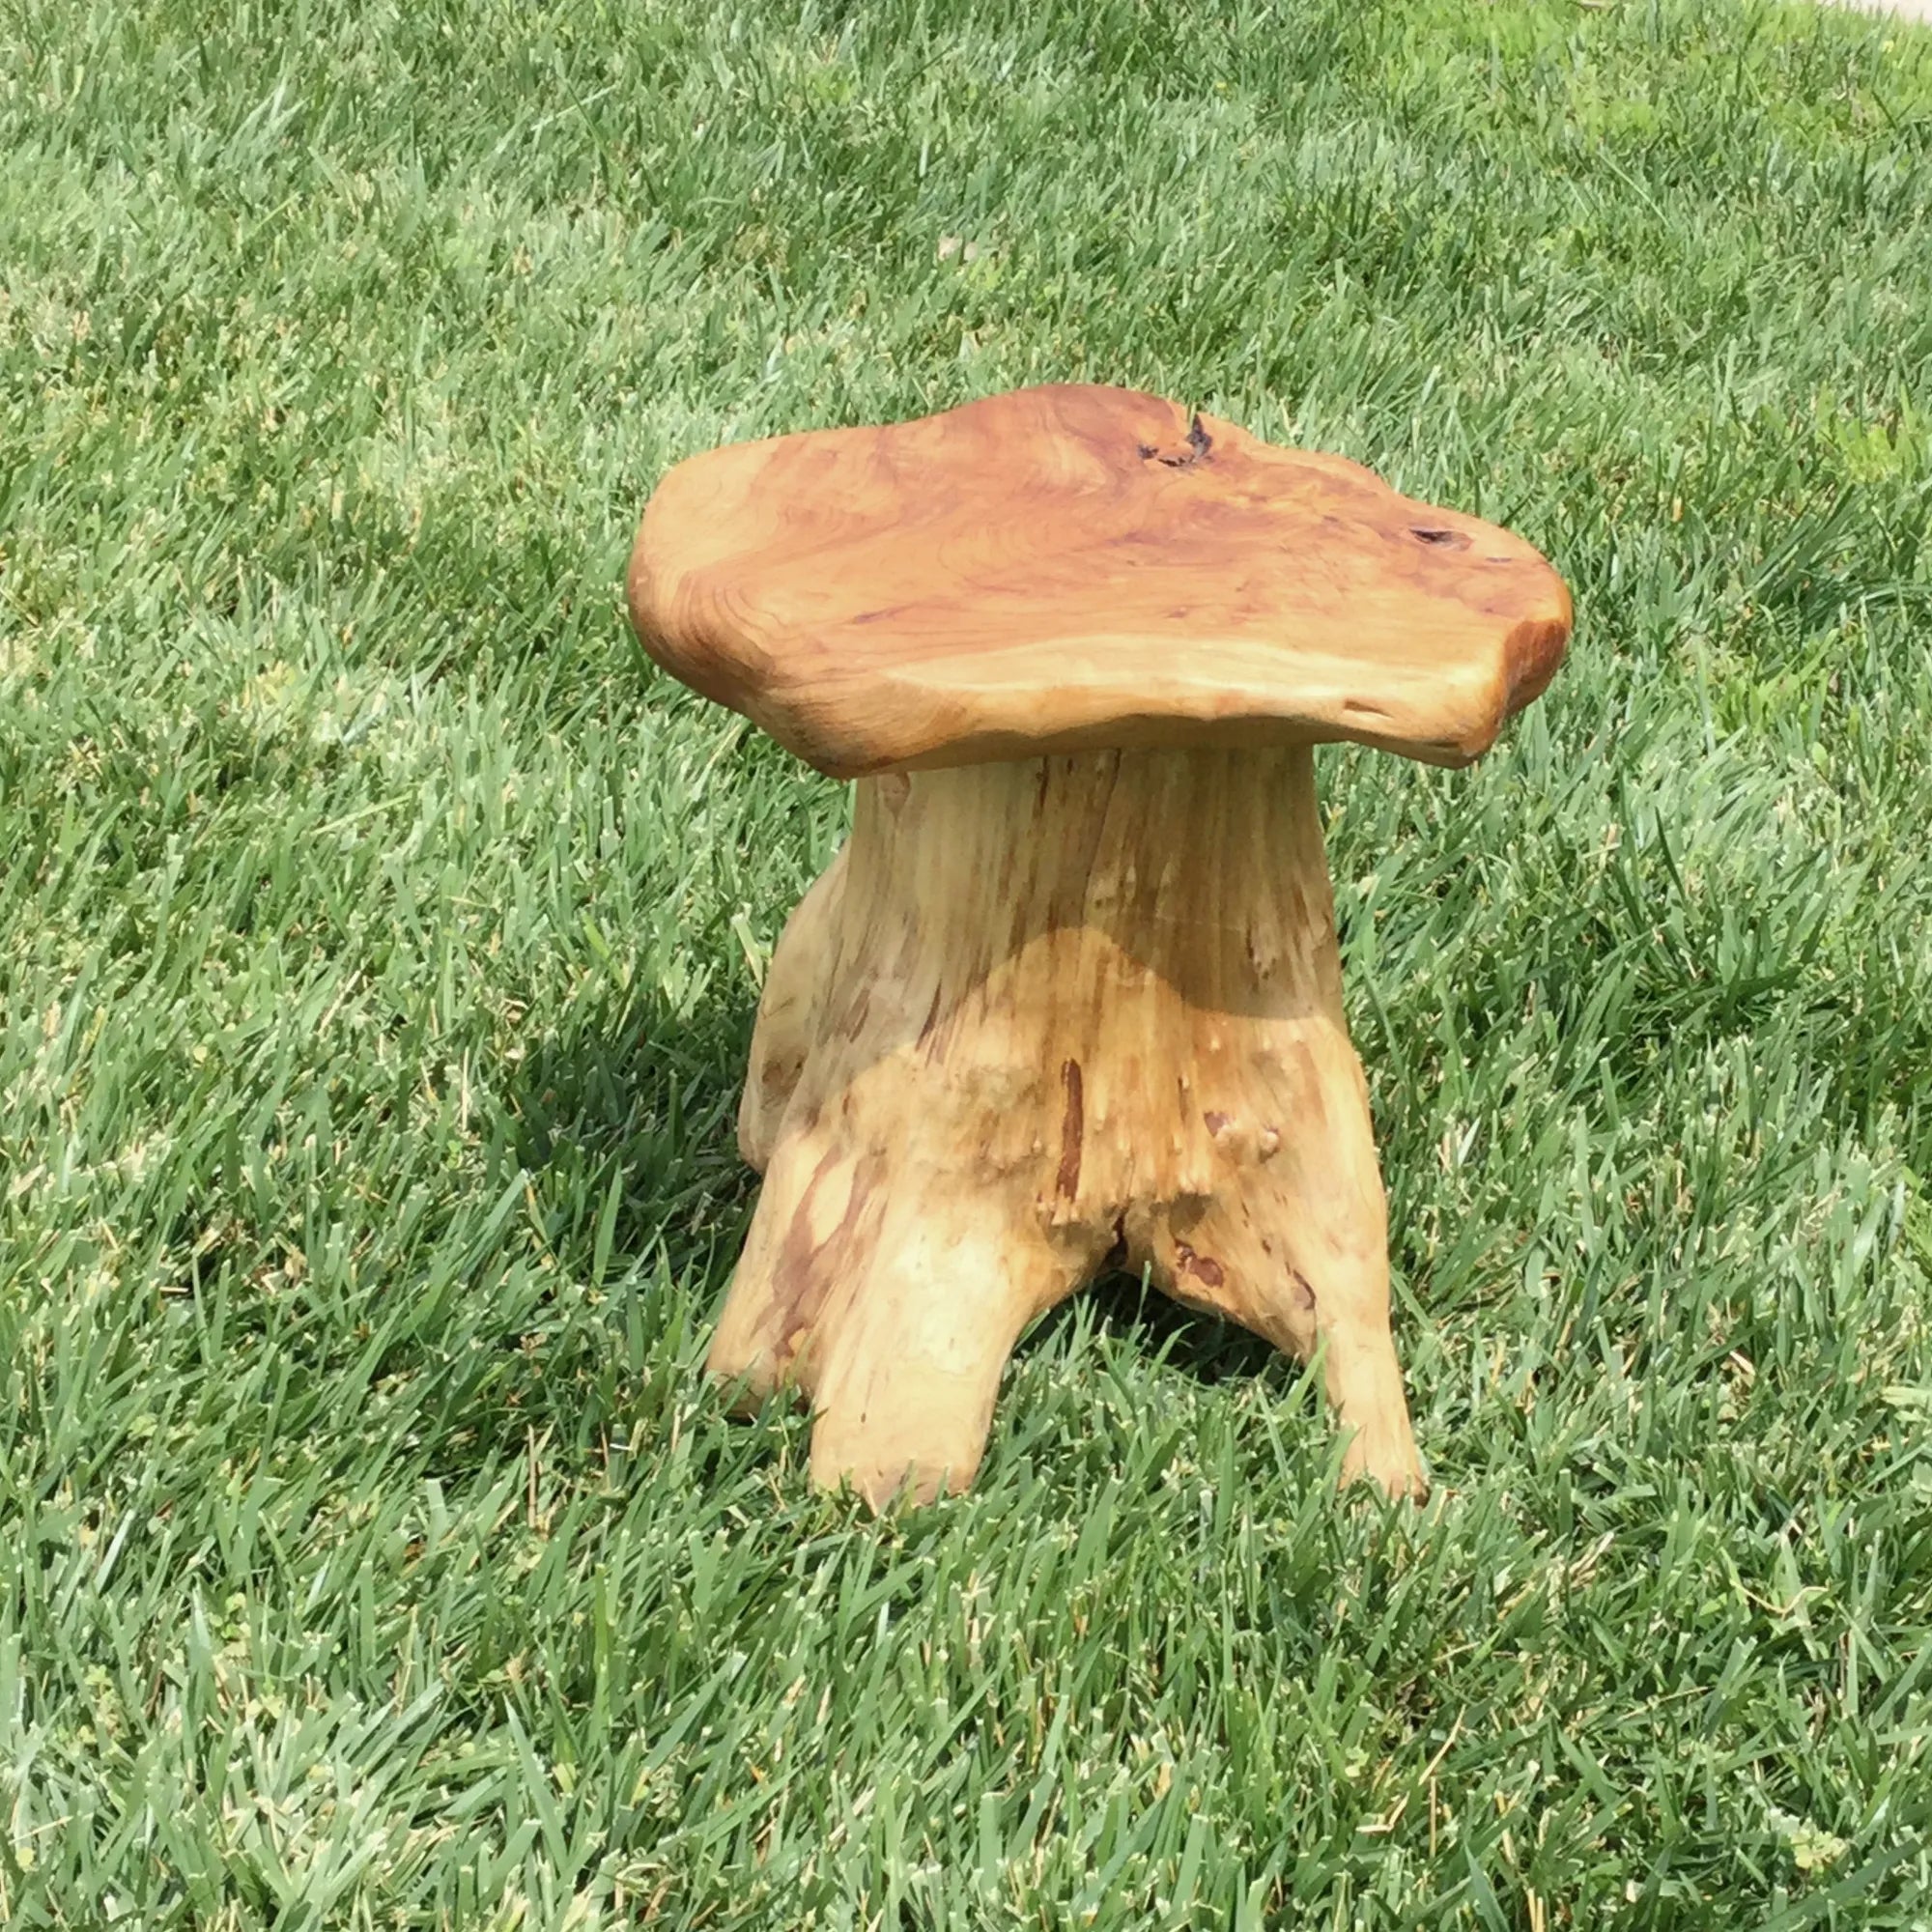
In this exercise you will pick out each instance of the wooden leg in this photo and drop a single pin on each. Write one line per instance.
(811, 1237)
(905, 1395)
(1294, 1243)
(795, 984)
(889, 1299)
(1034, 1011)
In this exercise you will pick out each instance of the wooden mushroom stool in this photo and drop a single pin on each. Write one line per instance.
(1069, 997)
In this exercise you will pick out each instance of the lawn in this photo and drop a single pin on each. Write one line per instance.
(380, 936)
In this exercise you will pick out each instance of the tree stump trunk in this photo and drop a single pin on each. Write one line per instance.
(1037, 1019)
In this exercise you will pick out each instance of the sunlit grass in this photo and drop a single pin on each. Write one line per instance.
(377, 940)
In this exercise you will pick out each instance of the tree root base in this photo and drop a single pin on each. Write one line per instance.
(1038, 1019)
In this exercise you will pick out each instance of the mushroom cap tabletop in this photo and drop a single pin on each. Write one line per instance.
(1074, 568)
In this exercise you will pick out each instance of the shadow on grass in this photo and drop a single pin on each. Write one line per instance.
(1203, 1347)
(631, 1092)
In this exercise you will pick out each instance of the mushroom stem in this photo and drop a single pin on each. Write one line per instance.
(1039, 1017)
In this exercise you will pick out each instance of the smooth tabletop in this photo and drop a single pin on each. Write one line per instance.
(1076, 567)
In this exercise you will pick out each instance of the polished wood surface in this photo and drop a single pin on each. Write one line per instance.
(1075, 568)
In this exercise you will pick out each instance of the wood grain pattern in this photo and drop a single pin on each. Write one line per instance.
(1040, 1018)
(1071, 568)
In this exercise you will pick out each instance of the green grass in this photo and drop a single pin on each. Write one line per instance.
(377, 940)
